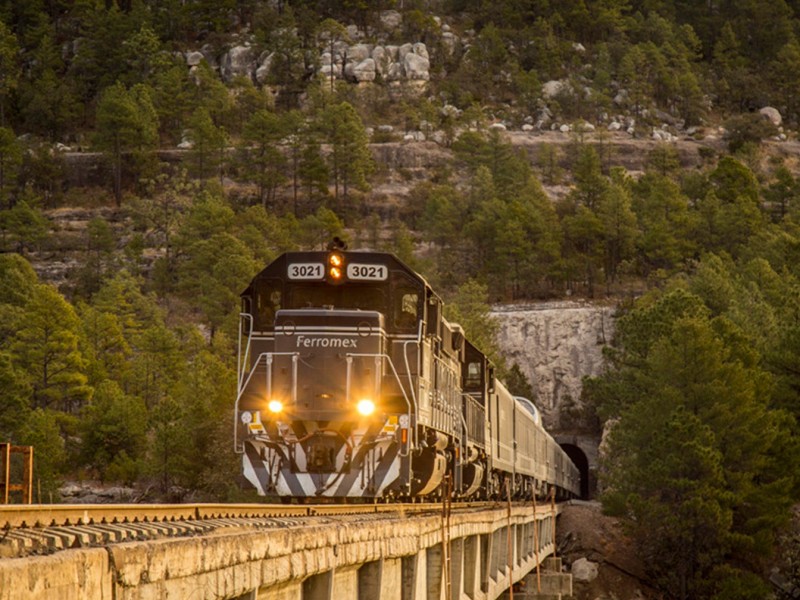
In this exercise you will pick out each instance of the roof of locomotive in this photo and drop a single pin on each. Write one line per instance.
(278, 267)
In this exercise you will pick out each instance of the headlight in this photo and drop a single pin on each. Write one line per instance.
(275, 406)
(366, 407)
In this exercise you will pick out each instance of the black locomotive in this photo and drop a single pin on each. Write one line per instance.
(351, 383)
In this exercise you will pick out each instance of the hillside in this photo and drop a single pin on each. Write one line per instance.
(155, 155)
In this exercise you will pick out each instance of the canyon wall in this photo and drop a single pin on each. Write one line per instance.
(556, 344)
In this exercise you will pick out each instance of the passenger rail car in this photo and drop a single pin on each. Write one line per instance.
(352, 384)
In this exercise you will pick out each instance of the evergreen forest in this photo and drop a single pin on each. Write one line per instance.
(156, 155)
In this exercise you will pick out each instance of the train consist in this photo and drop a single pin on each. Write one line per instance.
(352, 384)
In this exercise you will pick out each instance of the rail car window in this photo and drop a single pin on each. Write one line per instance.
(268, 302)
(344, 296)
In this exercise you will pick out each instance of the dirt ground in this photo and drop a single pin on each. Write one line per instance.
(583, 531)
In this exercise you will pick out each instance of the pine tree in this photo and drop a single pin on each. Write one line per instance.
(126, 123)
(9, 68)
(697, 458)
(263, 160)
(350, 160)
(47, 348)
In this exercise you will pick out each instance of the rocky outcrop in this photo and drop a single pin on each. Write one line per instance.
(555, 346)
(356, 63)
(238, 61)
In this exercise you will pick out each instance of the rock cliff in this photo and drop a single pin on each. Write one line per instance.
(555, 346)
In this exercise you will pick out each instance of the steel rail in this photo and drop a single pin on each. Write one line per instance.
(47, 515)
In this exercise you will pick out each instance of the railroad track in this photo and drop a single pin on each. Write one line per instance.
(46, 528)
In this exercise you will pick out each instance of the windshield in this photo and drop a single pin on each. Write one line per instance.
(361, 297)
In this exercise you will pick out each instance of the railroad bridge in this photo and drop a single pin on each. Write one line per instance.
(249, 552)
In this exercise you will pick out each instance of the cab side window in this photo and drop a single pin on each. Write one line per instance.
(406, 310)
(268, 302)
(473, 378)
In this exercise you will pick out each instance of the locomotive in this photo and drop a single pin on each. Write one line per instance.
(352, 384)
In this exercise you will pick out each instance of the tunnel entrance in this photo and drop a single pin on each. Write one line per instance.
(579, 458)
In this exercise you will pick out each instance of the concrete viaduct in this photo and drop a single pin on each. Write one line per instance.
(389, 556)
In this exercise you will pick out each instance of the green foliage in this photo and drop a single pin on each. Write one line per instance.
(113, 430)
(350, 161)
(24, 226)
(127, 122)
(697, 444)
(518, 384)
(263, 160)
(10, 160)
(46, 348)
(214, 273)
(15, 394)
(42, 431)
(469, 307)
(208, 145)
(748, 129)
(9, 67)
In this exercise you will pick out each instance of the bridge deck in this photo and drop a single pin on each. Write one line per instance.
(391, 553)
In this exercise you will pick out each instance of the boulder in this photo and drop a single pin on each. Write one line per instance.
(358, 52)
(527, 127)
(772, 114)
(404, 50)
(394, 72)
(194, 58)
(449, 43)
(237, 61)
(262, 72)
(497, 127)
(330, 70)
(365, 70)
(449, 111)
(552, 88)
(417, 67)
(584, 570)
(382, 59)
(421, 49)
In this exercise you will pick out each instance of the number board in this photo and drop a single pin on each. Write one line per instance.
(362, 272)
(306, 271)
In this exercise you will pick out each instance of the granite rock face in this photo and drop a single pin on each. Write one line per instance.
(555, 345)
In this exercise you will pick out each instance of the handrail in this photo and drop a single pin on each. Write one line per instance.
(419, 362)
(411, 425)
(242, 360)
(267, 356)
